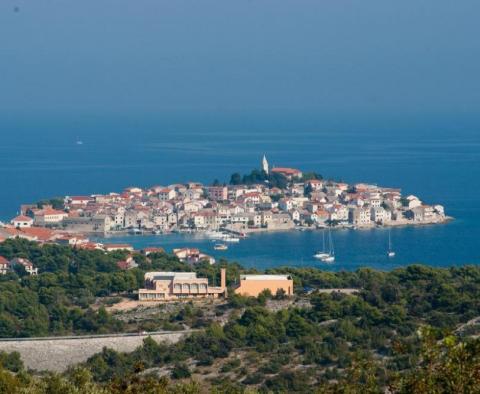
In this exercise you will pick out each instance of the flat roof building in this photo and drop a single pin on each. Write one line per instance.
(253, 285)
(167, 286)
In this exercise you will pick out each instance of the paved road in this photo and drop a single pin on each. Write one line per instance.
(58, 353)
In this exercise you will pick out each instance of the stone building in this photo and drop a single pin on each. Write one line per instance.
(167, 286)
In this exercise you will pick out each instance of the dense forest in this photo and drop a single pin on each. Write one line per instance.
(409, 330)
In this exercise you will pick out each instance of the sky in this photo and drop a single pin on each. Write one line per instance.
(185, 56)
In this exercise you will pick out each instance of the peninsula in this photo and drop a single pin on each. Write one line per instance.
(267, 199)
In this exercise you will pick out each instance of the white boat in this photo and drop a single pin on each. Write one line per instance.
(220, 247)
(390, 252)
(215, 235)
(331, 254)
(232, 239)
(322, 254)
(136, 231)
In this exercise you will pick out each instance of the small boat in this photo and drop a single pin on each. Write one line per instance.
(220, 247)
(136, 231)
(215, 234)
(331, 254)
(157, 232)
(322, 254)
(232, 239)
(390, 252)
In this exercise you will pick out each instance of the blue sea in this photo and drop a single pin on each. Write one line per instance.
(438, 160)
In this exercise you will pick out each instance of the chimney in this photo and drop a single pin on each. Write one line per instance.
(223, 278)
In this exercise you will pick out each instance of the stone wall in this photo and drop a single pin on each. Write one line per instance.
(58, 354)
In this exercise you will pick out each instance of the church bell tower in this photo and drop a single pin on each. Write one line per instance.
(265, 164)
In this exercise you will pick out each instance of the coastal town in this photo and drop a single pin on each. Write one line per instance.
(300, 201)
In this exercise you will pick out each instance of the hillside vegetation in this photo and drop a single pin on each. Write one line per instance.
(409, 330)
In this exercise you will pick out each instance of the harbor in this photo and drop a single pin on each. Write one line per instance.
(354, 249)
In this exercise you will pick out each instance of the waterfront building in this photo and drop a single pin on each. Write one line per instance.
(49, 216)
(413, 202)
(167, 286)
(253, 285)
(416, 214)
(22, 221)
(360, 216)
(380, 215)
(96, 224)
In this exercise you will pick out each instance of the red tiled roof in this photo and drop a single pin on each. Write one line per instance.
(80, 198)
(50, 211)
(22, 218)
(286, 170)
(42, 233)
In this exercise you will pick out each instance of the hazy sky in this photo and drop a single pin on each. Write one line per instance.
(71, 56)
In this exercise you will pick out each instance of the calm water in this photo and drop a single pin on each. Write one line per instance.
(439, 161)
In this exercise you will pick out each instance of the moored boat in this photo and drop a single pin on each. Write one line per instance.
(232, 239)
(390, 252)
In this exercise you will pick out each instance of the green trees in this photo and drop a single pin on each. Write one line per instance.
(11, 361)
(259, 177)
(446, 366)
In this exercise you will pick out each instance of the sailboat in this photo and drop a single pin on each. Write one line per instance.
(331, 255)
(322, 254)
(390, 252)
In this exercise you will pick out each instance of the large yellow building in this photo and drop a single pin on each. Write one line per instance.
(253, 285)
